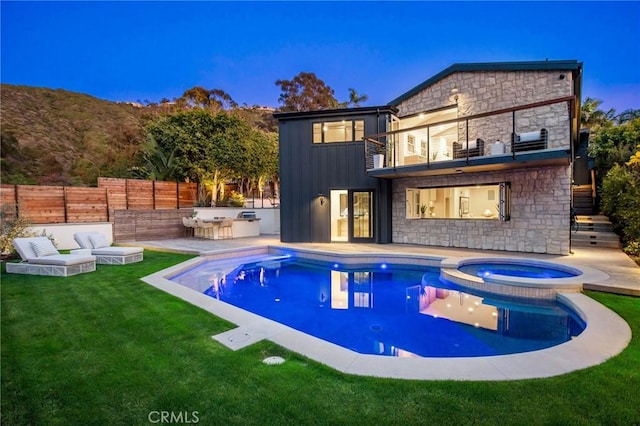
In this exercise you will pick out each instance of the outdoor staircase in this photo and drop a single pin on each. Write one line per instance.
(583, 199)
(594, 231)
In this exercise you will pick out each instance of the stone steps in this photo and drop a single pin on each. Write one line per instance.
(594, 223)
(583, 199)
(595, 231)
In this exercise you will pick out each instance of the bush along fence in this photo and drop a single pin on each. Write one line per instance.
(63, 204)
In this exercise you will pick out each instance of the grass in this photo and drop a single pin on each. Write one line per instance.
(105, 348)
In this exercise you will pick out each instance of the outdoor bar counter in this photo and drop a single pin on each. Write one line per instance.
(246, 224)
(246, 227)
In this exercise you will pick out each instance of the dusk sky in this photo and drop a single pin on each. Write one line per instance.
(135, 51)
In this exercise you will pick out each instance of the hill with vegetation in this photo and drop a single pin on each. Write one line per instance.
(66, 138)
(58, 137)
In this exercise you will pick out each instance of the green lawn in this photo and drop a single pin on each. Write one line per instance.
(104, 348)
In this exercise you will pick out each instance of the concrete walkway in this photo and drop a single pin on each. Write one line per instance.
(623, 273)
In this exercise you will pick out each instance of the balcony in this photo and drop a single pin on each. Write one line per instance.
(529, 135)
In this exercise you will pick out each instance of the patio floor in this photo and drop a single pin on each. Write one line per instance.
(623, 273)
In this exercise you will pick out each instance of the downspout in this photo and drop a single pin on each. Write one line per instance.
(572, 133)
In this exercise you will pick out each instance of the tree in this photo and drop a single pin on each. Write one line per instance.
(620, 201)
(628, 115)
(158, 164)
(208, 148)
(591, 116)
(355, 99)
(614, 145)
(263, 164)
(213, 99)
(306, 92)
(617, 157)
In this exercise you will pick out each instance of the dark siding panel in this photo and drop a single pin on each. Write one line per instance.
(307, 170)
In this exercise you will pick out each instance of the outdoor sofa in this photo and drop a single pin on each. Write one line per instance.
(40, 257)
(530, 141)
(475, 148)
(104, 252)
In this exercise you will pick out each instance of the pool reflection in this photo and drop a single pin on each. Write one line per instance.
(399, 311)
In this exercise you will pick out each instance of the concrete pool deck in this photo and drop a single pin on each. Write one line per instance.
(606, 334)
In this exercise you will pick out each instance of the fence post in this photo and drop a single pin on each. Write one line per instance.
(64, 200)
(106, 199)
(16, 210)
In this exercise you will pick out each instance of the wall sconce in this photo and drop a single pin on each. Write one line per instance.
(321, 196)
(454, 92)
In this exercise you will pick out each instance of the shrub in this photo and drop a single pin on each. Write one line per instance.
(236, 199)
(11, 227)
(633, 248)
(620, 201)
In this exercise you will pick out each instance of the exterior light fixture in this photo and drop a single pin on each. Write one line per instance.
(454, 92)
(321, 196)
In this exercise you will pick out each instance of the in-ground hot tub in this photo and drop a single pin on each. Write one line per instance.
(513, 276)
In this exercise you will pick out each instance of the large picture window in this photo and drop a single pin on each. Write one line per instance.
(488, 202)
(338, 131)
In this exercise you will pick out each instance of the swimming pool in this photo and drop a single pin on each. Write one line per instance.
(386, 309)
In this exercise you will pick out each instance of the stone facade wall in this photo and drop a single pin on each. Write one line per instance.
(540, 213)
(485, 91)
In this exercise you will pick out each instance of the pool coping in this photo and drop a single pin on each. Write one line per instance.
(605, 336)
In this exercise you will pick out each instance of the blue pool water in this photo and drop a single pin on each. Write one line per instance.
(521, 270)
(385, 309)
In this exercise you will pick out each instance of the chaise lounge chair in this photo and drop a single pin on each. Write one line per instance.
(104, 252)
(40, 257)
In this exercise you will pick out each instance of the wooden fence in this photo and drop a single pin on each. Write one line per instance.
(142, 225)
(64, 204)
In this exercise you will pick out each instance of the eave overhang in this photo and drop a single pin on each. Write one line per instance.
(333, 113)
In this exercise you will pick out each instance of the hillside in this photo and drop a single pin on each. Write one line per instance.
(58, 137)
(61, 137)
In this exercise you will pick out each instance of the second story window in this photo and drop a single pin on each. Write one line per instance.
(338, 131)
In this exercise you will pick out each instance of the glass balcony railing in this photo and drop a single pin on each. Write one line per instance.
(511, 132)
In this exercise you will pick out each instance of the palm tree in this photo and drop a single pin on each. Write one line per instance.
(592, 116)
(354, 99)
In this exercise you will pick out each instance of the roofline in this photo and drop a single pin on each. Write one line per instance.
(334, 112)
(572, 65)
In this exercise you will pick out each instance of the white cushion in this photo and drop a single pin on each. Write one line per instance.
(472, 144)
(530, 136)
(43, 247)
(82, 238)
(117, 251)
(98, 241)
(23, 247)
(62, 260)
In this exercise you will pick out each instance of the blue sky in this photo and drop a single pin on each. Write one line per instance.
(128, 51)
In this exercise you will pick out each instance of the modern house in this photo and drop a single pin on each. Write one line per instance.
(478, 156)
